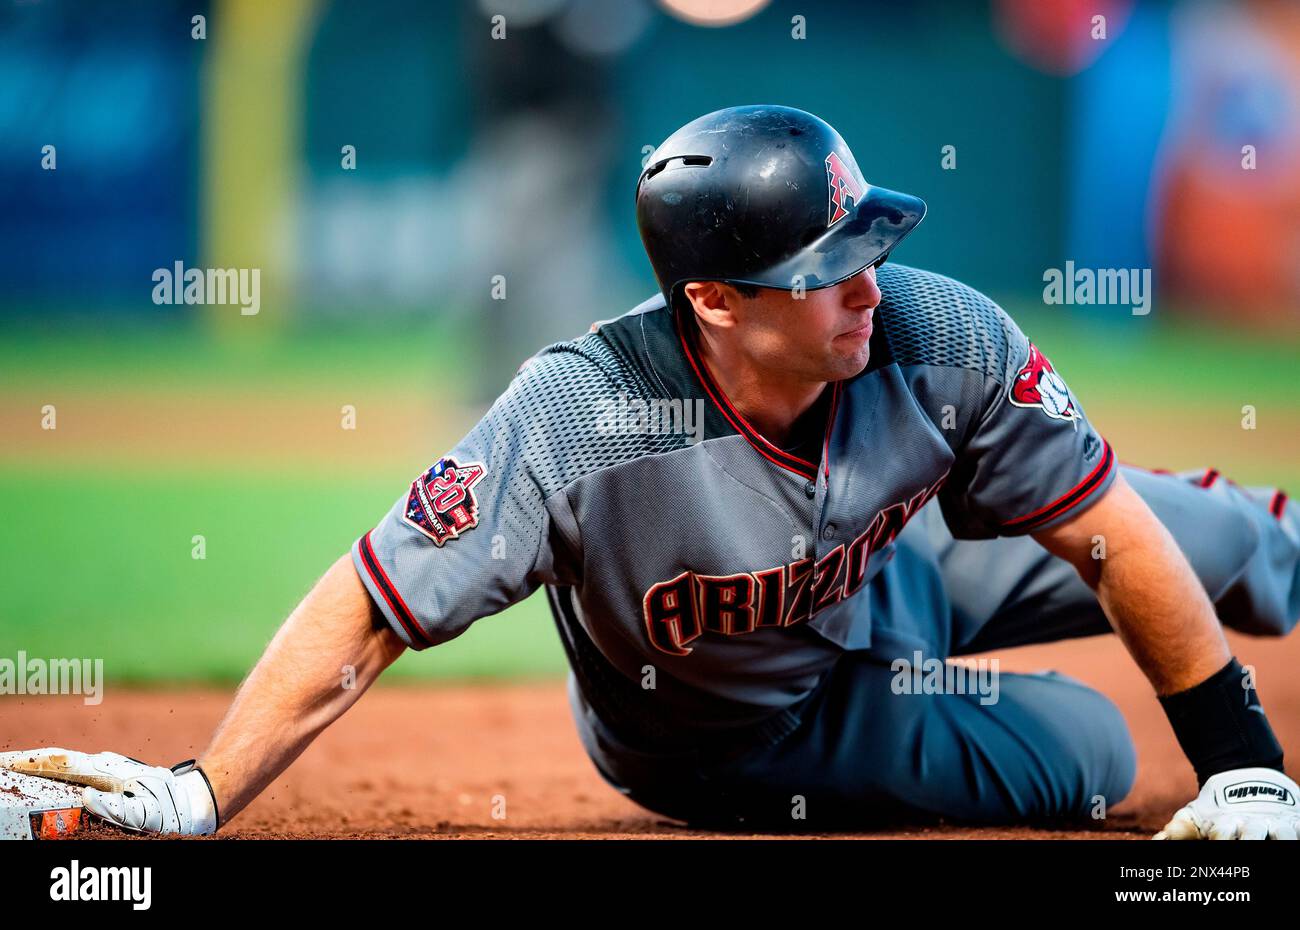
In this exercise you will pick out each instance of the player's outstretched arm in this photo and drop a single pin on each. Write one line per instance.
(1149, 592)
(296, 689)
(1158, 607)
(294, 692)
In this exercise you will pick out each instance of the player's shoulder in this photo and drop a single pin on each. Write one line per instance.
(634, 335)
(926, 318)
(614, 351)
(564, 414)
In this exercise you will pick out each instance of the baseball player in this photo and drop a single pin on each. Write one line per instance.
(760, 502)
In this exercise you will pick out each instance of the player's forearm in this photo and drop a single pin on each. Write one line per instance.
(321, 660)
(1159, 609)
(1148, 590)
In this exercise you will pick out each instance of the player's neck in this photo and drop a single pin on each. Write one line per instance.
(770, 400)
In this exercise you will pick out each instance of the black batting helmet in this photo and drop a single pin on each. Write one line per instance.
(764, 195)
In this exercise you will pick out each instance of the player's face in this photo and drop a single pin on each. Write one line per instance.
(821, 336)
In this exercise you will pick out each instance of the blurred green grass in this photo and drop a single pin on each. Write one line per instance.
(187, 358)
(98, 558)
(99, 565)
(1133, 362)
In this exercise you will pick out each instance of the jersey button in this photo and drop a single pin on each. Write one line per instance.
(828, 533)
(810, 489)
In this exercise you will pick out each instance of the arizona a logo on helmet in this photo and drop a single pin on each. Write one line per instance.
(843, 185)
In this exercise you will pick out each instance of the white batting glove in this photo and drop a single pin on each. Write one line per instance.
(1241, 804)
(127, 793)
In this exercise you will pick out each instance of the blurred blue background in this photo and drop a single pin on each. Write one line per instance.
(517, 156)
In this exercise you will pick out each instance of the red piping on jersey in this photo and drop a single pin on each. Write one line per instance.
(391, 594)
(1276, 504)
(1071, 498)
(830, 423)
(801, 467)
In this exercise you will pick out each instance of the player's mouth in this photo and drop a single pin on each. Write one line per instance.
(863, 332)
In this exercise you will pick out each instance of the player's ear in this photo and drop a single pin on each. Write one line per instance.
(713, 301)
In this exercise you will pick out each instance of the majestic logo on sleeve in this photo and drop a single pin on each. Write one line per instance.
(441, 504)
(843, 185)
(1038, 385)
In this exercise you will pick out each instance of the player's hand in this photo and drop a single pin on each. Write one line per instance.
(1241, 804)
(127, 793)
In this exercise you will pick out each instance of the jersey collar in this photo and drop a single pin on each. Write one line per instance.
(770, 451)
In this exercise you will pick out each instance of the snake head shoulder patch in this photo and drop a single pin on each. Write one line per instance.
(1037, 384)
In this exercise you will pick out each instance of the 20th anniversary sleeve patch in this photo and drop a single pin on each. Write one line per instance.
(441, 504)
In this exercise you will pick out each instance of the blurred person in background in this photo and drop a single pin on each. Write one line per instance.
(1227, 210)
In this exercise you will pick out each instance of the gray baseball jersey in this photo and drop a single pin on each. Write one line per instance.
(615, 465)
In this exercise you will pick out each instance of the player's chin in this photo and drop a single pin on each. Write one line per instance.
(847, 362)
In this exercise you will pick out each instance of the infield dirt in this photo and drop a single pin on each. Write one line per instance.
(433, 761)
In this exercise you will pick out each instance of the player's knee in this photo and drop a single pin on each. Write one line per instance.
(1264, 599)
(1088, 761)
(1212, 526)
(1110, 767)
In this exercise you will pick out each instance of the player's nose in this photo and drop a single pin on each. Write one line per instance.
(861, 291)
